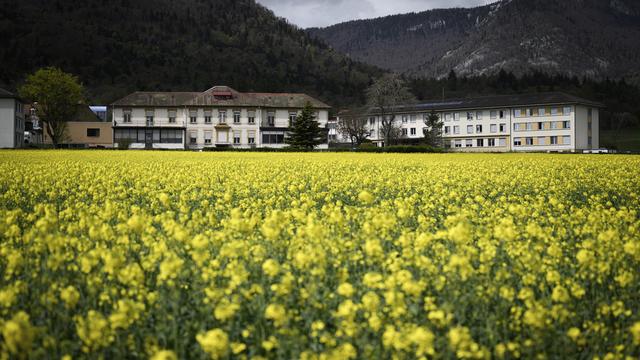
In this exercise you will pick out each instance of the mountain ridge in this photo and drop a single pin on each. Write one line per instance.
(593, 38)
(173, 45)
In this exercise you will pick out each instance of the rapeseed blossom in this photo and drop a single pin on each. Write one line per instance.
(318, 256)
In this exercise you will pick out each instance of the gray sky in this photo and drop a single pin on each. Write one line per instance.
(308, 13)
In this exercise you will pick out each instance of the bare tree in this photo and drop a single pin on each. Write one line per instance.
(384, 97)
(352, 124)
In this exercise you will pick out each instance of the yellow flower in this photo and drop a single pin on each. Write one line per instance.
(70, 296)
(277, 313)
(164, 355)
(635, 333)
(225, 310)
(271, 267)
(214, 342)
(18, 334)
(365, 197)
(345, 289)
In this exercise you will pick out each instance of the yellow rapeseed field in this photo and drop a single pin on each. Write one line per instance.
(164, 255)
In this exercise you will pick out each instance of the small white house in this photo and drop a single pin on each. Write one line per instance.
(11, 120)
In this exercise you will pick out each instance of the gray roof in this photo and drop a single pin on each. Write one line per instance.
(498, 101)
(231, 98)
(5, 94)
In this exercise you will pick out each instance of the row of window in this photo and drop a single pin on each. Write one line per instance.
(542, 125)
(412, 131)
(542, 141)
(222, 137)
(493, 142)
(208, 115)
(493, 128)
(542, 111)
(479, 115)
(166, 136)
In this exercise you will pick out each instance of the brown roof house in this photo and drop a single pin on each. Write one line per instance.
(217, 117)
(85, 130)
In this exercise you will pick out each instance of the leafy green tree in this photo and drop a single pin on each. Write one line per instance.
(305, 132)
(433, 129)
(56, 95)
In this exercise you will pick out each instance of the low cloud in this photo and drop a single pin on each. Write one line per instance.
(310, 13)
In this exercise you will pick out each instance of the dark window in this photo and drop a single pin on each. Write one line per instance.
(273, 138)
(93, 132)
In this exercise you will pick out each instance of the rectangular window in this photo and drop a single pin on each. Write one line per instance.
(208, 135)
(126, 113)
(529, 126)
(456, 129)
(405, 119)
(447, 130)
(501, 114)
(447, 117)
(478, 129)
(150, 113)
(554, 111)
(273, 138)
(517, 113)
(479, 115)
(480, 142)
(236, 117)
(93, 132)
(529, 141)
(412, 118)
(458, 143)
(413, 131)
(554, 125)
(193, 116)
(172, 114)
(503, 128)
(567, 125)
(566, 110)
(207, 116)
(517, 142)
(404, 132)
(566, 140)
(372, 121)
(170, 136)
(540, 126)
(491, 142)
(542, 140)
(469, 129)
(516, 127)
(554, 140)
(236, 137)
(541, 112)
(251, 114)
(589, 141)
(456, 116)
(292, 118)
(251, 137)
(468, 143)
(469, 116)
(193, 137)
(529, 112)
(222, 116)
(493, 128)
(502, 142)
(271, 119)
(493, 114)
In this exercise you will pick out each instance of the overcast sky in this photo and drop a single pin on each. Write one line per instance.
(309, 13)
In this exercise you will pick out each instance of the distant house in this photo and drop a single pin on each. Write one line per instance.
(218, 117)
(11, 120)
(527, 122)
(85, 130)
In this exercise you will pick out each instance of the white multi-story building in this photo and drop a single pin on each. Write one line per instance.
(218, 117)
(530, 122)
(11, 120)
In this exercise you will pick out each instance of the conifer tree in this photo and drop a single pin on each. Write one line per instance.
(305, 132)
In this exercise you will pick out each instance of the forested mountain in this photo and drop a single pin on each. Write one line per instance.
(594, 38)
(119, 46)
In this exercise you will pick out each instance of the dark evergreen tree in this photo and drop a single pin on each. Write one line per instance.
(433, 130)
(305, 132)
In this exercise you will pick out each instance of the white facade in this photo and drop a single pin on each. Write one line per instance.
(11, 123)
(557, 127)
(194, 126)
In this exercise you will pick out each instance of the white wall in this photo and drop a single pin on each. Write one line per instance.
(7, 123)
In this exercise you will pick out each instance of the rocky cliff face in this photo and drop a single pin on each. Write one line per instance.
(595, 38)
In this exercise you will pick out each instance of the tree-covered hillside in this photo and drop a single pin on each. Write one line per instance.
(120, 46)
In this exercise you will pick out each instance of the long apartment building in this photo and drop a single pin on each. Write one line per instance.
(218, 117)
(531, 122)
